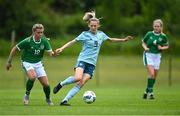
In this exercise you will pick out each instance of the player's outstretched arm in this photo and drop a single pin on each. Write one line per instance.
(121, 39)
(11, 55)
(68, 44)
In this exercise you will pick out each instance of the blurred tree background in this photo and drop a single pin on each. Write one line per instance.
(63, 18)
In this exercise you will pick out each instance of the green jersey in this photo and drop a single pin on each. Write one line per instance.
(152, 41)
(33, 51)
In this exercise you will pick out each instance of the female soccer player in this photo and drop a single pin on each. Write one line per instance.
(91, 41)
(154, 42)
(33, 48)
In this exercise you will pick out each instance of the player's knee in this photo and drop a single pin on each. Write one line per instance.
(80, 83)
(77, 79)
(45, 85)
(33, 78)
(152, 75)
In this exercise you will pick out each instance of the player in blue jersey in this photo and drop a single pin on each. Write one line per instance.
(91, 41)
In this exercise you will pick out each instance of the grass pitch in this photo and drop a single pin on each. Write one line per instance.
(118, 82)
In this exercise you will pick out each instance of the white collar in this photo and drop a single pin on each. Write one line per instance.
(156, 33)
(37, 42)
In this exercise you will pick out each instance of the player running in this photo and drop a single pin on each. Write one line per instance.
(154, 42)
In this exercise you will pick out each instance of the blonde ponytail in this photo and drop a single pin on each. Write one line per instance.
(89, 15)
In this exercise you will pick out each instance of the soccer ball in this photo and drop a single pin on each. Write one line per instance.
(89, 97)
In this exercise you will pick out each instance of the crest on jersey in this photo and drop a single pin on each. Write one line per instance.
(160, 39)
(42, 46)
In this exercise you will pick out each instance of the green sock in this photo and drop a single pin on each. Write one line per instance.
(150, 84)
(47, 91)
(154, 80)
(29, 85)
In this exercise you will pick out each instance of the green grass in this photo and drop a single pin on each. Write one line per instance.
(118, 82)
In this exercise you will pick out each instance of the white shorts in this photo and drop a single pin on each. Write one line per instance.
(37, 67)
(152, 59)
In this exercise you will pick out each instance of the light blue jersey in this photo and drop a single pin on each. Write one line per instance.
(91, 46)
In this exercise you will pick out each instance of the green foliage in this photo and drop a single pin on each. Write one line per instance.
(61, 17)
(20, 15)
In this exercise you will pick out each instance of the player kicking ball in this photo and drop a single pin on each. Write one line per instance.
(91, 40)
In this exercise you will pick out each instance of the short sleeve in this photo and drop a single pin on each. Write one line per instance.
(81, 37)
(104, 36)
(48, 46)
(165, 41)
(145, 38)
(22, 44)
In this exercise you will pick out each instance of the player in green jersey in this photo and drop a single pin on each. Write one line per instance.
(154, 42)
(33, 48)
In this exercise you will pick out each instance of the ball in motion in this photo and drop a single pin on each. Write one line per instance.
(89, 97)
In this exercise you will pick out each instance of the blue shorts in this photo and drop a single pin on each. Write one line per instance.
(88, 68)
